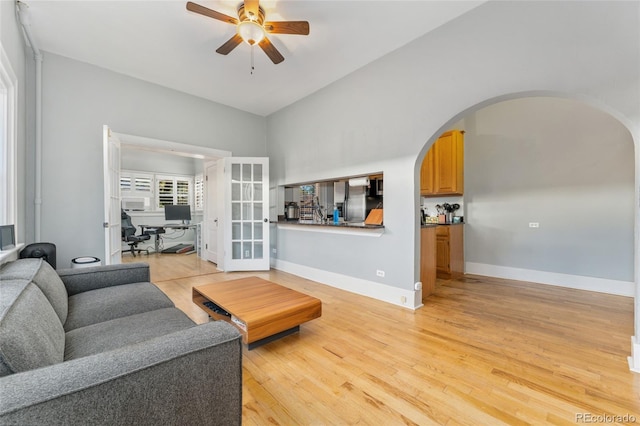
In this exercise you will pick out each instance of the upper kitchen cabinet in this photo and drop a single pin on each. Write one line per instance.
(427, 178)
(443, 166)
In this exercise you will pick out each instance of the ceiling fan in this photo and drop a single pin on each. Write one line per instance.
(252, 28)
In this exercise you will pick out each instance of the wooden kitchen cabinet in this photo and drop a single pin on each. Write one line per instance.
(428, 260)
(442, 171)
(449, 251)
(426, 173)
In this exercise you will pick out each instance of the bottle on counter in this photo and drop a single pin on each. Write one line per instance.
(336, 215)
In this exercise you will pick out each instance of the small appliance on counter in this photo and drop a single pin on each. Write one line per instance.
(292, 212)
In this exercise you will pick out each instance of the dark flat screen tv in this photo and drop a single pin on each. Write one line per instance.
(176, 212)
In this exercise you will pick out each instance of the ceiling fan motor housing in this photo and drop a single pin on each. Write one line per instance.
(248, 16)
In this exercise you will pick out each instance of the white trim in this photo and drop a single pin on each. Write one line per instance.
(169, 147)
(386, 293)
(578, 282)
(330, 229)
(10, 254)
(634, 359)
(9, 84)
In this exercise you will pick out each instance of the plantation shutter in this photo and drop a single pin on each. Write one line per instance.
(165, 192)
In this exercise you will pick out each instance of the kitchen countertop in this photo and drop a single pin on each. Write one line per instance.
(430, 225)
(357, 225)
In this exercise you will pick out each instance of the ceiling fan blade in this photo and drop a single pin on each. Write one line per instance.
(287, 27)
(252, 7)
(193, 7)
(230, 44)
(271, 51)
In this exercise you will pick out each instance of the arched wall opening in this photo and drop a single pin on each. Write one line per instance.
(570, 165)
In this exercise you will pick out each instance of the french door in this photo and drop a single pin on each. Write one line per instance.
(111, 166)
(245, 222)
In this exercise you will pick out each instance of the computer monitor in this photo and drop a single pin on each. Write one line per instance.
(176, 212)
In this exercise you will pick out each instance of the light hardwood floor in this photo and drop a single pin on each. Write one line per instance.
(481, 351)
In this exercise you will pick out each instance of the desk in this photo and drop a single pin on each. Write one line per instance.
(157, 230)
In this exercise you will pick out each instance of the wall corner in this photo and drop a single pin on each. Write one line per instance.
(634, 359)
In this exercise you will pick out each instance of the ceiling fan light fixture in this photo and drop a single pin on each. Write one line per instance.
(251, 32)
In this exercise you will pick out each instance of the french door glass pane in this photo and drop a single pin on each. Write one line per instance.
(257, 172)
(247, 195)
(235, 191)
(236, 252)
(257, 252)
(257, 210)
(235, 211)
(235, 231)
(257, 230)
(246, 173)
(246, 231)
(235, 172)
(246, 211)
(257, 191)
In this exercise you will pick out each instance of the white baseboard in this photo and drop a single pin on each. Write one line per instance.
(601, 285)
(634, 359)
(411, 299)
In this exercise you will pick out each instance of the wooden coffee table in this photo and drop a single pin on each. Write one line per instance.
(263, 311)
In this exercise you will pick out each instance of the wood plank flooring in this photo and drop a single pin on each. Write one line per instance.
(482, 351)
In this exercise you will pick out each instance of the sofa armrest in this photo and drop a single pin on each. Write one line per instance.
(189, 377)
(94, 277)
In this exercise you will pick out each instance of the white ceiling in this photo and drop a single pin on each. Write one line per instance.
(161, 42)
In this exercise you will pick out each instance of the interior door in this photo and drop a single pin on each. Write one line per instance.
(211, 213)
(245, 221)
(111, 166)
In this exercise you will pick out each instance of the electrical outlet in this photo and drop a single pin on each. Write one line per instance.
(274, 251)
(380, 273)
(403, 299)
(534, 225)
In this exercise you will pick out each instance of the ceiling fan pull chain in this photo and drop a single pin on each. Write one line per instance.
(252, 67)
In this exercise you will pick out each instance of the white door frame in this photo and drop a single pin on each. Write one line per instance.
(112, 221)
(164, 146)
(211, 215)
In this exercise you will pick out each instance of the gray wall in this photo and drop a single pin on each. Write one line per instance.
(78, 99)
(159, 162)
(386, 115)
(13, 44)
(562, 164)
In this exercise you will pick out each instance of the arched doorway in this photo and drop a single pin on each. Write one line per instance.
(566, 164)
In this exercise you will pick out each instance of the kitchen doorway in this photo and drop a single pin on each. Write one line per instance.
(538, 183)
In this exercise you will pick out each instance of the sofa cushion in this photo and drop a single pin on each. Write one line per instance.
(104, 304)
(31, 335)
(79, 280)
(44, 276)
(121, 332)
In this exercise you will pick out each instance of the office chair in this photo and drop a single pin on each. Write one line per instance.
(129, 234)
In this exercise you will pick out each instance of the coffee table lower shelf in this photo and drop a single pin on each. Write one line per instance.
(261, 310)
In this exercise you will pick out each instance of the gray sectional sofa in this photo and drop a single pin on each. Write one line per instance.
(104, 346)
